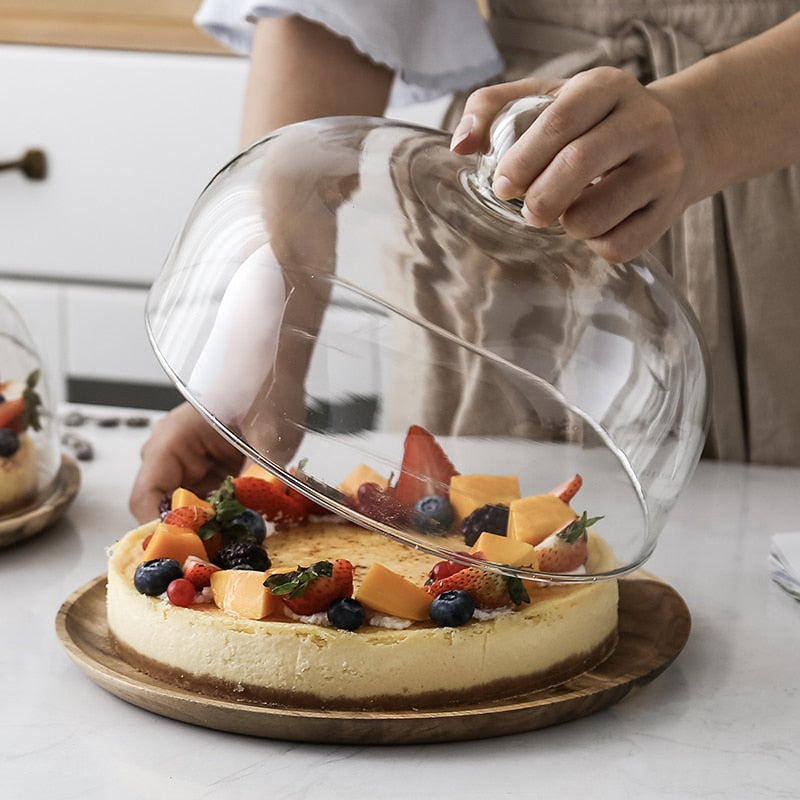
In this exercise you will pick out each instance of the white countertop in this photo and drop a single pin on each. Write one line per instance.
(723, 721)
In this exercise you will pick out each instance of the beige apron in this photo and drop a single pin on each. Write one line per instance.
(736, 256)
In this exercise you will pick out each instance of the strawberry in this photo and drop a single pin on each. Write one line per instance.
(487, 589)
(444, 569)
(309, 590)
(188, 517)
(269, 498)
(198, 571)
(425, 469)
(568, 489)
(22, 410)
(566, 549)
(10, 410)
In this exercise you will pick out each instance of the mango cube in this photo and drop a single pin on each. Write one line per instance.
(468, 492)
(532, 519)
(172, 541)
(502, 550)
(242, 592)
(182, 498)
(389, 593)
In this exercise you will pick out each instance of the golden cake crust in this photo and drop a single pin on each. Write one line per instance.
(562, 632)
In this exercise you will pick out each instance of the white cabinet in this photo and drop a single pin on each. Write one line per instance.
(131, 139)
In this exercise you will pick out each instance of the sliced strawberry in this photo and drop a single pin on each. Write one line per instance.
(309, 590)
(425, 469)
(566, 549)
(487, 589)
(189, 516)
(199, 572)
(269, 498)
(568, 489)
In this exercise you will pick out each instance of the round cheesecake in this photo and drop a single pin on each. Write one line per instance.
(385, 664)
(18, 477)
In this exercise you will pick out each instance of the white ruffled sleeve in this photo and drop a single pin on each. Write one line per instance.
(434, 46)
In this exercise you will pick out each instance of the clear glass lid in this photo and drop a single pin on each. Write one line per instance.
(29, 453)
(351, 307)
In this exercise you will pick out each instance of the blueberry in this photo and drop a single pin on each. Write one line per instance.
(243, 555)
(9, 442)
(432, 514)
(153, 577)
(253, 523)
(346, 613)
(453, 608)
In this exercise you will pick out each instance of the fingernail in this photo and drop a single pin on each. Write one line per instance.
(503, 188)
(463, 130)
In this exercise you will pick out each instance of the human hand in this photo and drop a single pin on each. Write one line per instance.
(605, 159)
(182, 450)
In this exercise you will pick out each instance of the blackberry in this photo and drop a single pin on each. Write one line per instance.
(9, 443)
(165, 504)
(242, 555)
(490, 518)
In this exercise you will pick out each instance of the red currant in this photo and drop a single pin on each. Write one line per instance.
(180, 592)
(444, 569)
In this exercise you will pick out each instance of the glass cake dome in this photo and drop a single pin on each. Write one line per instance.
(29, 451)
(346, 280)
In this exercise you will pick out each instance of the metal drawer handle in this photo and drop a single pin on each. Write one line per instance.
(32, 164)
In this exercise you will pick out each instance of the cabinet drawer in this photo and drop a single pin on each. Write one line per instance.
(131, 139)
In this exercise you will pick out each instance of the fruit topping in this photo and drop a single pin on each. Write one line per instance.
(386, 592)
(452, 608)
(198, 571)
(469, 492)
(444, 569)
(502, 550)
(346, 613)
(192, 517)
(487, 589)
(152, 577)
(19, 410)
(242, 592)
(381, 505)
(568, 489)
(9, 442)
(309, 590)
(180, 592)
(248, 525)
(425, 468)
(432, 514)
(242, 555)
(566, 549)
(172, 541)
(491, 518)
(533, 518)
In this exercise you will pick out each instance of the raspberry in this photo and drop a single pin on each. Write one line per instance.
(489, 518)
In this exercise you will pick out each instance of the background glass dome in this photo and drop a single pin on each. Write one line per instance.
(347, 278)
(21, 371)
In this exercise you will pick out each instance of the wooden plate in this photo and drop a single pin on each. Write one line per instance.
(28, 523)
(654, 626)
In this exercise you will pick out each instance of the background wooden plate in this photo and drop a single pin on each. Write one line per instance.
(34, 520)
(654, 626)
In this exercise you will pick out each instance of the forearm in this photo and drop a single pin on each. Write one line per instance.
(738, 109)
(300, 70)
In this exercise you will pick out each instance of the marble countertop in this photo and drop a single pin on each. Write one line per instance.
(723, 720)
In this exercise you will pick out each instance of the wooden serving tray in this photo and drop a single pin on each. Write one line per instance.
(654, 626)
